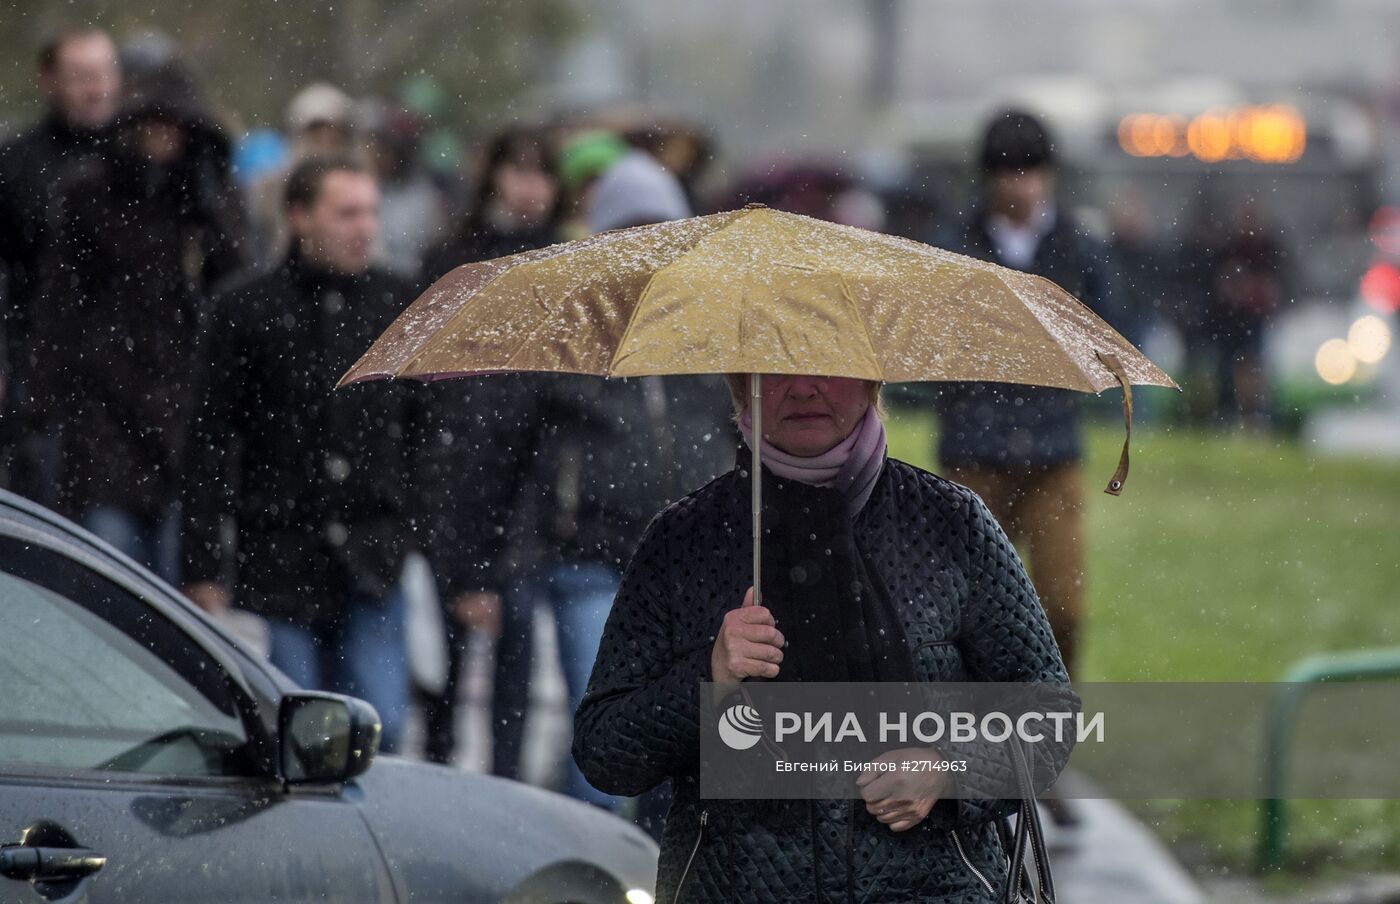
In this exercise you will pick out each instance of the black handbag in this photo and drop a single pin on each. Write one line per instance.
(1029, 836)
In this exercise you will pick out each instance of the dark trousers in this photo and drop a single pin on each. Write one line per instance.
(510, 698)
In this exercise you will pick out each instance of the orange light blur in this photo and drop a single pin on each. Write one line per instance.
(1269, 134)
(1208, 136)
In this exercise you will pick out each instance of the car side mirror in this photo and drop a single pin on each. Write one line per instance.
(325, 737)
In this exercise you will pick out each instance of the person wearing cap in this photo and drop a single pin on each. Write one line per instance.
(320, 123)
(1020, 447)
(584, 157)
(635, 191)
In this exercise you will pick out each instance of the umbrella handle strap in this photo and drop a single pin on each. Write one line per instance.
(1120, 475)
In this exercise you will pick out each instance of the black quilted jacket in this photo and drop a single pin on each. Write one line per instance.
(969, 613)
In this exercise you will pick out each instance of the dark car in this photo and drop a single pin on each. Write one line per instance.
(147, 756)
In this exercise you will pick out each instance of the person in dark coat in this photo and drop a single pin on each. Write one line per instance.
(873, 571)
(143, 234)
(574, 466)
(80, 79)
(413, 205)
(1250, 287)
(314, 481)
(478, 507)
(1019, 447)
(615, 452)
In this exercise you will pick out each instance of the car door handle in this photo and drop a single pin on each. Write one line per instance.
(48, 864)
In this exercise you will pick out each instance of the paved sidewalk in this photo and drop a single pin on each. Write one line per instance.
(1383, 889)
(1111, 857)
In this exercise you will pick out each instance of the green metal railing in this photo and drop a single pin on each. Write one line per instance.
(1360, 665)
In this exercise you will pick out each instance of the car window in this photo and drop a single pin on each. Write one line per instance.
(95, 678)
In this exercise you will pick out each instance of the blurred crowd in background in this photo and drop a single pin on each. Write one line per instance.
(180, 299)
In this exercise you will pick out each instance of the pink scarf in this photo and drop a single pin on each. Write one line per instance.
(851, 466)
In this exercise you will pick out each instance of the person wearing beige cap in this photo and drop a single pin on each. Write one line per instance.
(320, 122)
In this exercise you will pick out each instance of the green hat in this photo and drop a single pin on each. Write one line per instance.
(587, 154)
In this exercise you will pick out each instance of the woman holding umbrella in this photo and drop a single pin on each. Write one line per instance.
(872, 570)
(921, 585)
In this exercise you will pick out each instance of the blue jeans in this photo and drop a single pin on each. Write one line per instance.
(582, 595)
(153, 542)
(364, 656)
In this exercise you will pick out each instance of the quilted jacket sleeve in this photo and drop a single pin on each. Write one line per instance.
(1005, 638)
(639, 722)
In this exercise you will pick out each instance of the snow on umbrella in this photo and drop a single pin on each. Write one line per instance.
(758, 291)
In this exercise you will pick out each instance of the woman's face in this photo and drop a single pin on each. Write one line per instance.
(809, 415)
(525, 191)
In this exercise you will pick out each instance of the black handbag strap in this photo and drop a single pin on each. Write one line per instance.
(1029, 835)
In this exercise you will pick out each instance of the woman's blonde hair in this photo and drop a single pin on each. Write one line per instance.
(739, 394)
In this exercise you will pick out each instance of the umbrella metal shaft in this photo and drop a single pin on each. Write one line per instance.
(756, 408)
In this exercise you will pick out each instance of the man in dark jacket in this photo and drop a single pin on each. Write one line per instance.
(80, 80)
(143, 233)
(1019, 447)
(313, 480)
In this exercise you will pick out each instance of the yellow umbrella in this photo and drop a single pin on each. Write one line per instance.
(757, 291)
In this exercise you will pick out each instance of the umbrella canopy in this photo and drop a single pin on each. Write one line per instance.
(753, 291)
(757, 291)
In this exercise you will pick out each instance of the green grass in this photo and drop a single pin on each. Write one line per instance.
(1228, 558)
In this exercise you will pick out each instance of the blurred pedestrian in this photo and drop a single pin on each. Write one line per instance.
(479, 508)
(412, 206)
(583, 157)
(144, 231)
(1144, 273)
(684, 147)
(80, 80)
(690, 430)
(912, 211)
(314, 483)
(1019, 447)
(597, 459)
(1194, 259)
(516, 206)
(807, 187)
(320, 123)
(1249, 288)
(635, 190)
